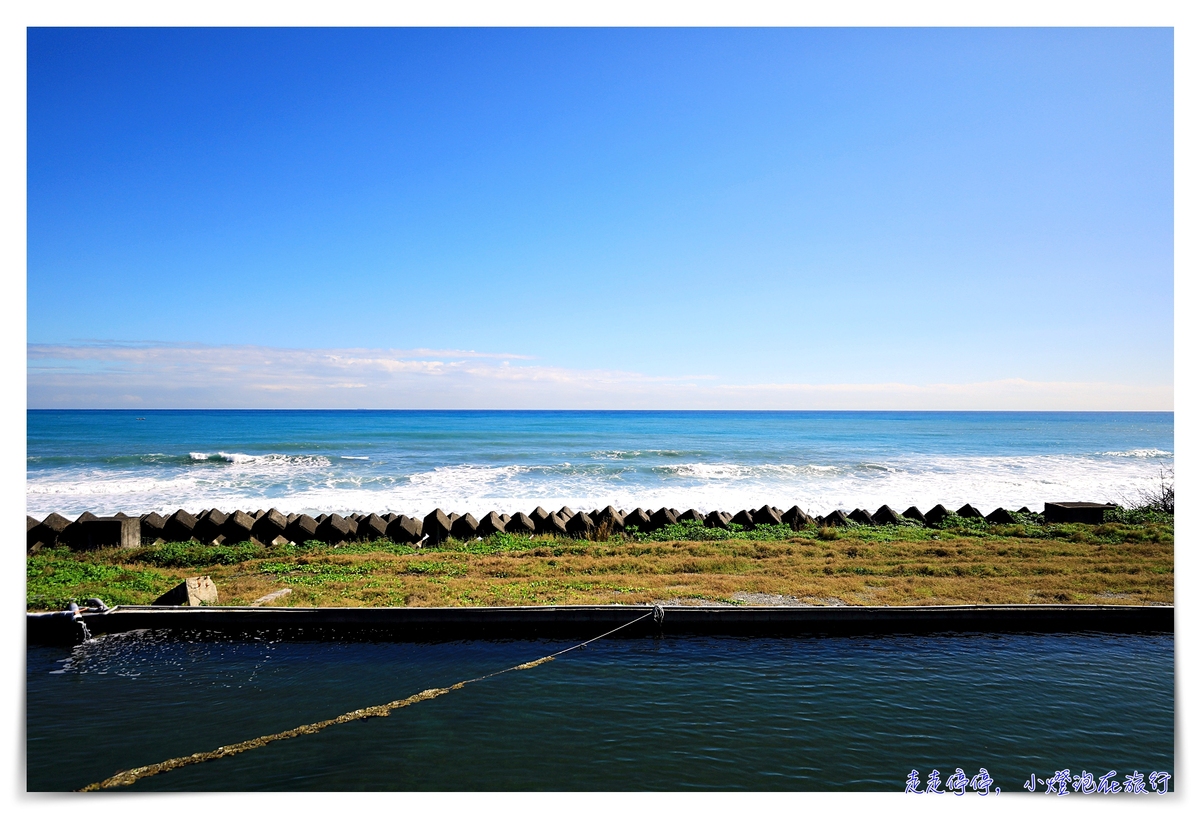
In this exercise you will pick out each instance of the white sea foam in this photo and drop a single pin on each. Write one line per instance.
(1143, 453)
(315, 484)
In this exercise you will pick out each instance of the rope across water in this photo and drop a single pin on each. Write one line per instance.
(127, 777)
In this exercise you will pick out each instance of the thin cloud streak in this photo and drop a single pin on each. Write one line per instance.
(146, 375)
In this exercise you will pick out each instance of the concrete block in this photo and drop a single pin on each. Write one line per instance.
(610, 517)
(238, 527)
(73, 535)
(372, 528)
(1092, 513)
(743, 518)
(581, 526)
(663, 518)
(437, 526)
(334, 530)
(861, 516)
(556, 526)
(936, 514)
(717, 519)
(110, 532)
(638, 519)
(767, 516)
(1001, 516)
(914, 513)
(885, 516)
(521, 524)
(192, 592)
(405, 530)
(179, 527)
(47, 533)
(796, 517)
(465, 528)
(490, 524)
(969, 510)
(153, 528)
(691, 516)
(836, 518)
(32, 541)
(539, 516)
(210, 525)
(271, 528)
(302, 529)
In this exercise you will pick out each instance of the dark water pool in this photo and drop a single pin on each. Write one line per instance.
(637, 714)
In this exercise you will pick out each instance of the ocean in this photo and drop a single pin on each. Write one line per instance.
(475, 461)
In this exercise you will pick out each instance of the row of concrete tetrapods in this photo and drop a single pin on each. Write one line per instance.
(274, 527)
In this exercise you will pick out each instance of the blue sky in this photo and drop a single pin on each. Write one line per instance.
(644, 218)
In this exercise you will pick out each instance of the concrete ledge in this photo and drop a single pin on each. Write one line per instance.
(582, 621)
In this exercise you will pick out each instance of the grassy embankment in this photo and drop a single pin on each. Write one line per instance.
(964, 561)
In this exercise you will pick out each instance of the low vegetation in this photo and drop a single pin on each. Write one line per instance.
(1127, 560)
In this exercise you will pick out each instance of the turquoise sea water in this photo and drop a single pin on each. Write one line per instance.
(410, 461)
(624, 714)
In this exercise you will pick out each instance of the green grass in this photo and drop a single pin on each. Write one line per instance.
(54, 578)
(960, 560)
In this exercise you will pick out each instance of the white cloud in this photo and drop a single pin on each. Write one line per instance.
(108, 374)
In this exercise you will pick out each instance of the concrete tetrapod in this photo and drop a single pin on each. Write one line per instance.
(613, 519)
(32, 543)
(154, 527)
(885, 516)
(837, 518)
(209, 525)
(743, 518)
(436, 526)
(1001, 516)
(581, 526)
(968, 510)
(861, 516)
(556, 526)
(491, 524)
(936, 514)
(404, 530)
(639, 519)
(333, 530)
(302, 529)
(238, 527)
(663, 518)
(717, 519)
(179, 527)
(465, 528)
(372, 528)
(521, 525)
(767, 516)
(49, 531)
(914, 513)
(797, 518)
(271, 528)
